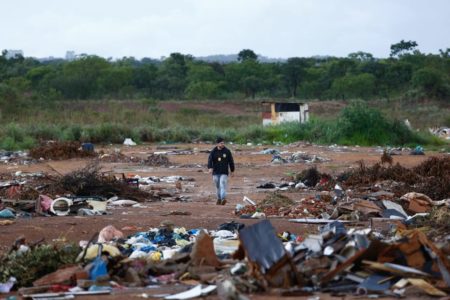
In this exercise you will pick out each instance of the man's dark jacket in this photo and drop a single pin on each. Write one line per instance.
(219, 160)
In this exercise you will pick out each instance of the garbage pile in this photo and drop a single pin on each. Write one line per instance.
(89, 181)
(364, 262)
(298, 157)
(278, 205)
(16, 158)
(364, 193)
(431, 177)
(308, 178)
(442, 132)
(349, 206)
(303, 157)
(60, 150)
(235, 260)
(84, 192)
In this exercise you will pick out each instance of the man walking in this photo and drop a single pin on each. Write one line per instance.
(220, 159)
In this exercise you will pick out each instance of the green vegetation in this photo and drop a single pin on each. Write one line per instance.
(77, 100)
(360, 75)
(357, 124)
(41, 260)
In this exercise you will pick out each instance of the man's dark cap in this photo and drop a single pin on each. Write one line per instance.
(219, 140)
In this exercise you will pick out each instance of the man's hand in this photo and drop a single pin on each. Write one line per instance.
(232, 174)
(210, 171)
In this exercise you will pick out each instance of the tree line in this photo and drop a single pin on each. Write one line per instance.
(407, 72)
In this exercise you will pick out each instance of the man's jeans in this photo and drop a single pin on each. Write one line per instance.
(221, 182)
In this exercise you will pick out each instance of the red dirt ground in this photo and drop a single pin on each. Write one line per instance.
(252, 170)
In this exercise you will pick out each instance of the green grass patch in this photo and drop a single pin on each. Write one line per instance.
(357, 124)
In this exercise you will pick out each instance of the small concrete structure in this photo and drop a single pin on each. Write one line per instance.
(278, 112)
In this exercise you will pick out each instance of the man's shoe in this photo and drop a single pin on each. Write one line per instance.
(224, 201)
(218, 202)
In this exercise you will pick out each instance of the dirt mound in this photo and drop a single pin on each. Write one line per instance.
(60, 151)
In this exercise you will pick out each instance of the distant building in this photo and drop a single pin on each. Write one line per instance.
(70, 55)
(279, 112)
(13, 54)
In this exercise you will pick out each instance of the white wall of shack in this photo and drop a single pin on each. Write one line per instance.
(288, 116)
(301, 116)
(267, 122)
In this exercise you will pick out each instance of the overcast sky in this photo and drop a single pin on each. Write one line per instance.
(274, 28)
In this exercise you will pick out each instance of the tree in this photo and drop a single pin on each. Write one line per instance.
(431, 81)
(202, 90)
(115, 81)
(36, 75)
(397, 75)
(354, 86)
(171, 81)
(445, 54)
(203, 81)
(294, 71)
(144, 78)
(315, 84)
(79, 78)
(246, 76)
(403, 48)
(247, 54)
(251, 85)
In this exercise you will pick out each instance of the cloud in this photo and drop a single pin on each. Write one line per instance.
(273, 28)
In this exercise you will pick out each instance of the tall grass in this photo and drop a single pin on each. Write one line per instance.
(356, 125)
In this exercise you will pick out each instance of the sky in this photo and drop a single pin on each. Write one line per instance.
(272, 28)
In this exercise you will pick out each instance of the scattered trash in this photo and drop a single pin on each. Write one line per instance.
(8, 285)
(297, 157)
(7, 214)
(89, 147)
(61, 206)
(394, 243)
(270, 151)
(129, 142)
(418, 151)
(267, 185)
(16, 158)
(277, 159)
(442, 132)
(249, 201)
(357, 261)
(108, 234)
